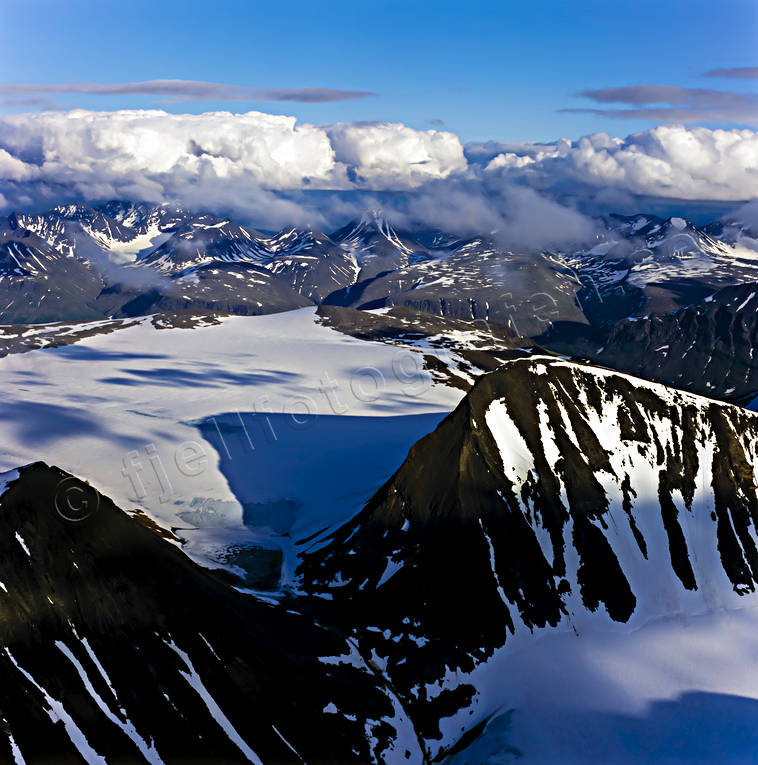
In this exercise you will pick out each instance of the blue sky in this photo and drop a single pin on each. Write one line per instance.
(487, 70)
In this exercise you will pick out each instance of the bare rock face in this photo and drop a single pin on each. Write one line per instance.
(557, 496)
(40, 284)
(115, 646)
(475, 280)
(706, 348)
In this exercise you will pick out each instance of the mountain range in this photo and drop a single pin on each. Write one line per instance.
(572, 544)
(126, 259)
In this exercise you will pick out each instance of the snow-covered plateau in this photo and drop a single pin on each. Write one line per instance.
(183, 423)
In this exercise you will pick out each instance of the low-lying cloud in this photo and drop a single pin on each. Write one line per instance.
(668, 161)
(258, 166)
(154, 153)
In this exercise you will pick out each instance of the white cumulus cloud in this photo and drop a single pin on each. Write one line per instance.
(391, 154)
(91, 149)
(258, 165)
(668, 161)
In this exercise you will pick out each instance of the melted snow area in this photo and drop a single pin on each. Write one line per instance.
(162, 419)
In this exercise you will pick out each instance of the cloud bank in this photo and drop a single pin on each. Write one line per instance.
(259, 166)
(668, 161)
(153, 155)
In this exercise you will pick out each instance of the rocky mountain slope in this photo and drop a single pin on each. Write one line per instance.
(476, 280)
(205, 239)
(125, 259)
(115, 647)
(455, 351)
(648, 265)
(200, 261)
(706, 348)
(239, 288)
(377, 246)
(120, 229)
(311, 263)
(39, 283)
(557, 498)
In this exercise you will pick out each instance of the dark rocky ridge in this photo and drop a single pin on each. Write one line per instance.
(184, 260)
(467, 545)
(21, 338)
(206, 238)
(311, 263)
(477, 281)
(135, 645)
(377, 246)
(81, 230)
(245, 289)
(38, 283)
(706, 348)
